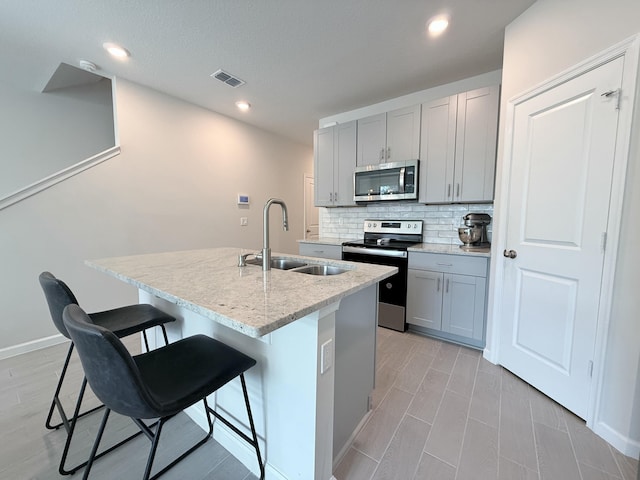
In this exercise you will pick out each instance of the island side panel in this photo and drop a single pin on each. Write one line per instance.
(291, 401)
(356, 323)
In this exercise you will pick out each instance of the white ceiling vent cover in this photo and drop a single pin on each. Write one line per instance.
(227, 78)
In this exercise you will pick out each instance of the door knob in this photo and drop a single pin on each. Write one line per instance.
(510, 253)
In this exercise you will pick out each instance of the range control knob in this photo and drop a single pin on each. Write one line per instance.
(369, 224)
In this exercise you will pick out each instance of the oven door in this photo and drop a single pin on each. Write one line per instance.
(392, 291)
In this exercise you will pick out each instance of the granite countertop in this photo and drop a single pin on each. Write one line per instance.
(246, 299)
(422, 247)
(449, 250)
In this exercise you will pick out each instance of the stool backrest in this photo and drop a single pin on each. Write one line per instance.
(58, 296)
(109, 367)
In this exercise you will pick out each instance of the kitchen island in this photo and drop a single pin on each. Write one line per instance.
(286, 320)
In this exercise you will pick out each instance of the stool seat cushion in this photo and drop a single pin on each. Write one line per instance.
(130, 319)
(184, 372)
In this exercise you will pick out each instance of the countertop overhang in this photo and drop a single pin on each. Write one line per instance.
(255, 303)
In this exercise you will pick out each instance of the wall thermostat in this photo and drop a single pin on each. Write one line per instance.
(243, 199)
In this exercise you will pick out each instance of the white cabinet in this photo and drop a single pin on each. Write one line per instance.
(458, 147)
(322, 250)
(446, 296)
(389, 137)
(334, 151)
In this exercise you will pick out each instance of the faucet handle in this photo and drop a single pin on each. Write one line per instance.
(242, 259)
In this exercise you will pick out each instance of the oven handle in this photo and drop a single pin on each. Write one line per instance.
(375, 251)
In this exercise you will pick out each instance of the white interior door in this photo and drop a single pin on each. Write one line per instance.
(311, 223)
(562, 155)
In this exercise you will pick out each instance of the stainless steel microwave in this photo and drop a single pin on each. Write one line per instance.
(386, 181)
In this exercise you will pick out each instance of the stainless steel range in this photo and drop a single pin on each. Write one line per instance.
(385, 243)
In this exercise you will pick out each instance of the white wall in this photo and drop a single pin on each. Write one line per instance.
(548, 38)
(43, 133)
(173, 187)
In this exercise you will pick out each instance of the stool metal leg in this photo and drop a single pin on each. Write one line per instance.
(251, 441)
(56, 403)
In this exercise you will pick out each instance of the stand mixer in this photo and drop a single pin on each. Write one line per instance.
(474, 234)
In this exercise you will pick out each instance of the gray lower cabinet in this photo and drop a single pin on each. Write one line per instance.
(446, 296)
(321, 250)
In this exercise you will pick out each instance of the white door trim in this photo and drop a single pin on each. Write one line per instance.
(630, 48)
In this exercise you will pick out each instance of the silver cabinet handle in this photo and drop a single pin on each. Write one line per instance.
(457, 189)
(381, 154)
(448, 190)
(447, 287)
(438, 287)
(335, 196)
(510, 253)
(444, 264)
(388, 153)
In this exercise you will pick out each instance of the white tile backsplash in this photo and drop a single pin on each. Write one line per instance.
(440, 222)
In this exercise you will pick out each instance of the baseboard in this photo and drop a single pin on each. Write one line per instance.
(31, 346)
(622, 443)
(338, 458)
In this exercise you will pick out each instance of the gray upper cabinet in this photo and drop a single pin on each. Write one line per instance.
(334, 151)
(389, 137)
(458, 147)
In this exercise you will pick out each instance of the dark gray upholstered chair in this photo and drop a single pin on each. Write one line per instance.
(157, 384)
(121, 321)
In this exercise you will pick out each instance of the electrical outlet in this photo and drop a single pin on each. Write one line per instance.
(326, 356)
(244, 221)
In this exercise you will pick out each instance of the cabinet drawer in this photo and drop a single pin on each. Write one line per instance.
(439, 262)
(321, 250)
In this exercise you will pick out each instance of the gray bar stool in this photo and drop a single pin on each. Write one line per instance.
(157, 384)
(121, 321)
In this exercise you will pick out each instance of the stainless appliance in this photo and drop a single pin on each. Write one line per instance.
(386, 181)
(474, 234)
(386, 242)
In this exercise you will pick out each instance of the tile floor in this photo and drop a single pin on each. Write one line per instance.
(442, 412)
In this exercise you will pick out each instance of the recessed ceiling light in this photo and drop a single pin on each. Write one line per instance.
(242, 105)
(437, 25)
(116, 50)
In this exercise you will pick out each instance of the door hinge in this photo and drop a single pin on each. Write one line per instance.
(590, 369)
(603, 242)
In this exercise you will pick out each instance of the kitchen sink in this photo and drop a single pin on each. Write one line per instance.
(279, 263)
(320, 270)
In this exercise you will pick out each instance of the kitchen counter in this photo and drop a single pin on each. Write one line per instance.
(449, 250)
(245, 299)
(289, 323)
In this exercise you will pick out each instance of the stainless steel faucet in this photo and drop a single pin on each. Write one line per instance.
(266, 250)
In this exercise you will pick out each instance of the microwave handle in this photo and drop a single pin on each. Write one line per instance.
(402, 180)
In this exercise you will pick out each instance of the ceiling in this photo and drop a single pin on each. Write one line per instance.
(302, 60)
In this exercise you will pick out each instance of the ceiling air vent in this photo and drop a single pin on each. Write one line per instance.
(227, 78)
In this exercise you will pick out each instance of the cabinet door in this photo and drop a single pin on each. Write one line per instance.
(424, 298)
(323, 152)
(463, 305)
(403, 134)
(437, 150)
(372, 133)
(476, 141)
(344, 164)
